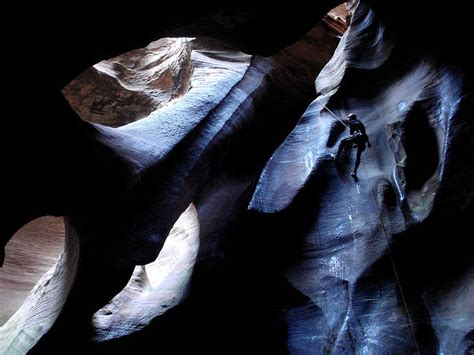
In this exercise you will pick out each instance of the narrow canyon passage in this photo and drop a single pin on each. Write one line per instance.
(192, 159)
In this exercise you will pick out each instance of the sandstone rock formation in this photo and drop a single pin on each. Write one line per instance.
(412, 113)
(32, 252)
(123, 89)
(187, 143)
(294, 255)
(156, 287)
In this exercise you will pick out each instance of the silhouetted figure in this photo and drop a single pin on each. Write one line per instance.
(358, 138)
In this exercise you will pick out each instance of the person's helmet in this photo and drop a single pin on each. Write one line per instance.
(352, 116)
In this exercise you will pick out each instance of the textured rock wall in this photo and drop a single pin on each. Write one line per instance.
(184, 145)
(32, 251)
(121, 90)
(43, 304)
(361, 294)
(294, 255)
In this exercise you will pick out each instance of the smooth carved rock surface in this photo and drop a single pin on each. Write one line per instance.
(177, 154)
(124, 89)
(32, 251)
(412, 113)
(43, 304)
(156, 287)
(294, 255)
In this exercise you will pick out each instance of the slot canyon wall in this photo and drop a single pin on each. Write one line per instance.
(202, 210)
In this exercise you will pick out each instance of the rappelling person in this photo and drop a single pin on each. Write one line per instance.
(358, 139)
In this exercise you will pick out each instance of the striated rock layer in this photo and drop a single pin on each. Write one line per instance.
(186, 150)
(127, 88)
(32, 251)
(280, 249)
(368, 257)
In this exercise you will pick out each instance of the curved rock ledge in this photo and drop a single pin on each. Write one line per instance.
(33, 250)
(129, 87)
(181, 146)
(44, 303)
(294, 255)
(355, 242)
(155, 288)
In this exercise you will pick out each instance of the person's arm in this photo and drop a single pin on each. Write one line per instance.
(351, 127)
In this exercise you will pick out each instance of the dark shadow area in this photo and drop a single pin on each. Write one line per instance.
(421, 148)
(231, 310)
(236, 299)
(469, 343)
(237, 292)
(424, 261)
(337, 128)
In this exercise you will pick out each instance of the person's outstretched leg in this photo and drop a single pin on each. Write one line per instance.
(360, 149)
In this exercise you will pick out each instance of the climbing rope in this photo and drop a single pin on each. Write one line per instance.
(412, 326)
(337, 118)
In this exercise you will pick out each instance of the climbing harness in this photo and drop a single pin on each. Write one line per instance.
(384, 230)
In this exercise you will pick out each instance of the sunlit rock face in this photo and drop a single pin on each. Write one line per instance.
(32, 251)
(189, 139)
(124, 89)
(153, 288)
(44, 303)
(280, 250)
